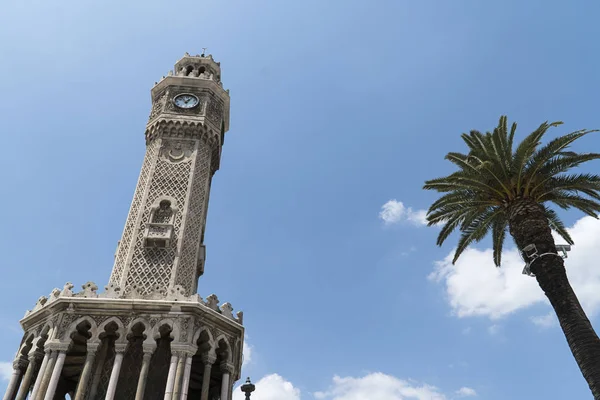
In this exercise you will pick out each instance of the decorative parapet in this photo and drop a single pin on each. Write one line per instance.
(113, 291)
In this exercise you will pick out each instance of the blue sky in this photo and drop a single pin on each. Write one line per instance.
(337, 108)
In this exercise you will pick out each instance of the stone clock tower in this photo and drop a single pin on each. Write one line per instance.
(149, 335)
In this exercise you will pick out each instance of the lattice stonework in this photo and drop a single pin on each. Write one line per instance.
(180, 175)
(186, 270)
(127, 237)
(149, 267)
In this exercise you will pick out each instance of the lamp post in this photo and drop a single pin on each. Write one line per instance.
(248, 388)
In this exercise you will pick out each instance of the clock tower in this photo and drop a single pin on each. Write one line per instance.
(149, 335)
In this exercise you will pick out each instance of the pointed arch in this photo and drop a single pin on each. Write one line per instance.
(148, 332)
(120, 331)
(197, 334)
(222, 343)
(175, 331)
(73, 327)
(26, 344)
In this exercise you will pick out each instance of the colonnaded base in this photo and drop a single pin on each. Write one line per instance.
(107, 346)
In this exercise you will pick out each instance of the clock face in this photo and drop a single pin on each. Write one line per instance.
(186, 101)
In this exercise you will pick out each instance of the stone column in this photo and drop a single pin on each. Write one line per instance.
(13, 385)
(179, 374)
(171, 377)
(227, 370)
(34, 359)
(47, 372)
(99, 366)
(185, 385)
(40, 374)
(208, 360)
(57, 370)
(87, 371)
(116, 369)
(141, 385)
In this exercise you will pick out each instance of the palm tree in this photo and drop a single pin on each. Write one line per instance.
(498, 188)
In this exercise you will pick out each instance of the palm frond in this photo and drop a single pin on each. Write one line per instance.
(527, 148)
(477, 230)
(499, 226)
(557, 225)
(565, 201)
(539, 159)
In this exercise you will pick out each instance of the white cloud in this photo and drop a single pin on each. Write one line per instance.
(247, 353)
(466, 392)
(494, 329)
(545, 321)
(378, 386)
(374, 386)
(395, 211)
(271, 387)
(6, 370)
(475, 287)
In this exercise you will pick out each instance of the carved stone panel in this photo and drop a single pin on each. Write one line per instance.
(158, 106)
(214, 111)
(176, 150)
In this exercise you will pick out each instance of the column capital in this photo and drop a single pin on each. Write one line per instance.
(36, 354)
(92, 348)
(149, 348)
(20, 363)
(208, 359)
(183, 349)
(227, 367)
(120, 347)
(192, 350)
(61, 347)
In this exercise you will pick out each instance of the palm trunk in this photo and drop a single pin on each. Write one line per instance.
(529, 225)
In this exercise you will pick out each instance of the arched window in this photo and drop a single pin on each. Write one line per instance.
(159, 231)
(163, 214)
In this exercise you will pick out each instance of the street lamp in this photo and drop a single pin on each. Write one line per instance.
(248, 388)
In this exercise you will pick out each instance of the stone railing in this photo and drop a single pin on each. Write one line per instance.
(159, 293)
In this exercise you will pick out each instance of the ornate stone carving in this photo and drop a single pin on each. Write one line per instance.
(40, 303)
(177, 293)
(159, 231)
(99, 319)
(152, 321)
(196, 298)
(226, 310)
(89, 290)
(158, 293)
(20, 363)
(208, 358)
(240, 317)
(67, 319)
(158, 106)
(67, 290)
(54, 295)
(212, 302)
(214, 111)
(227, 367)
(184, 325)
(111, 291)
(176, 150)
